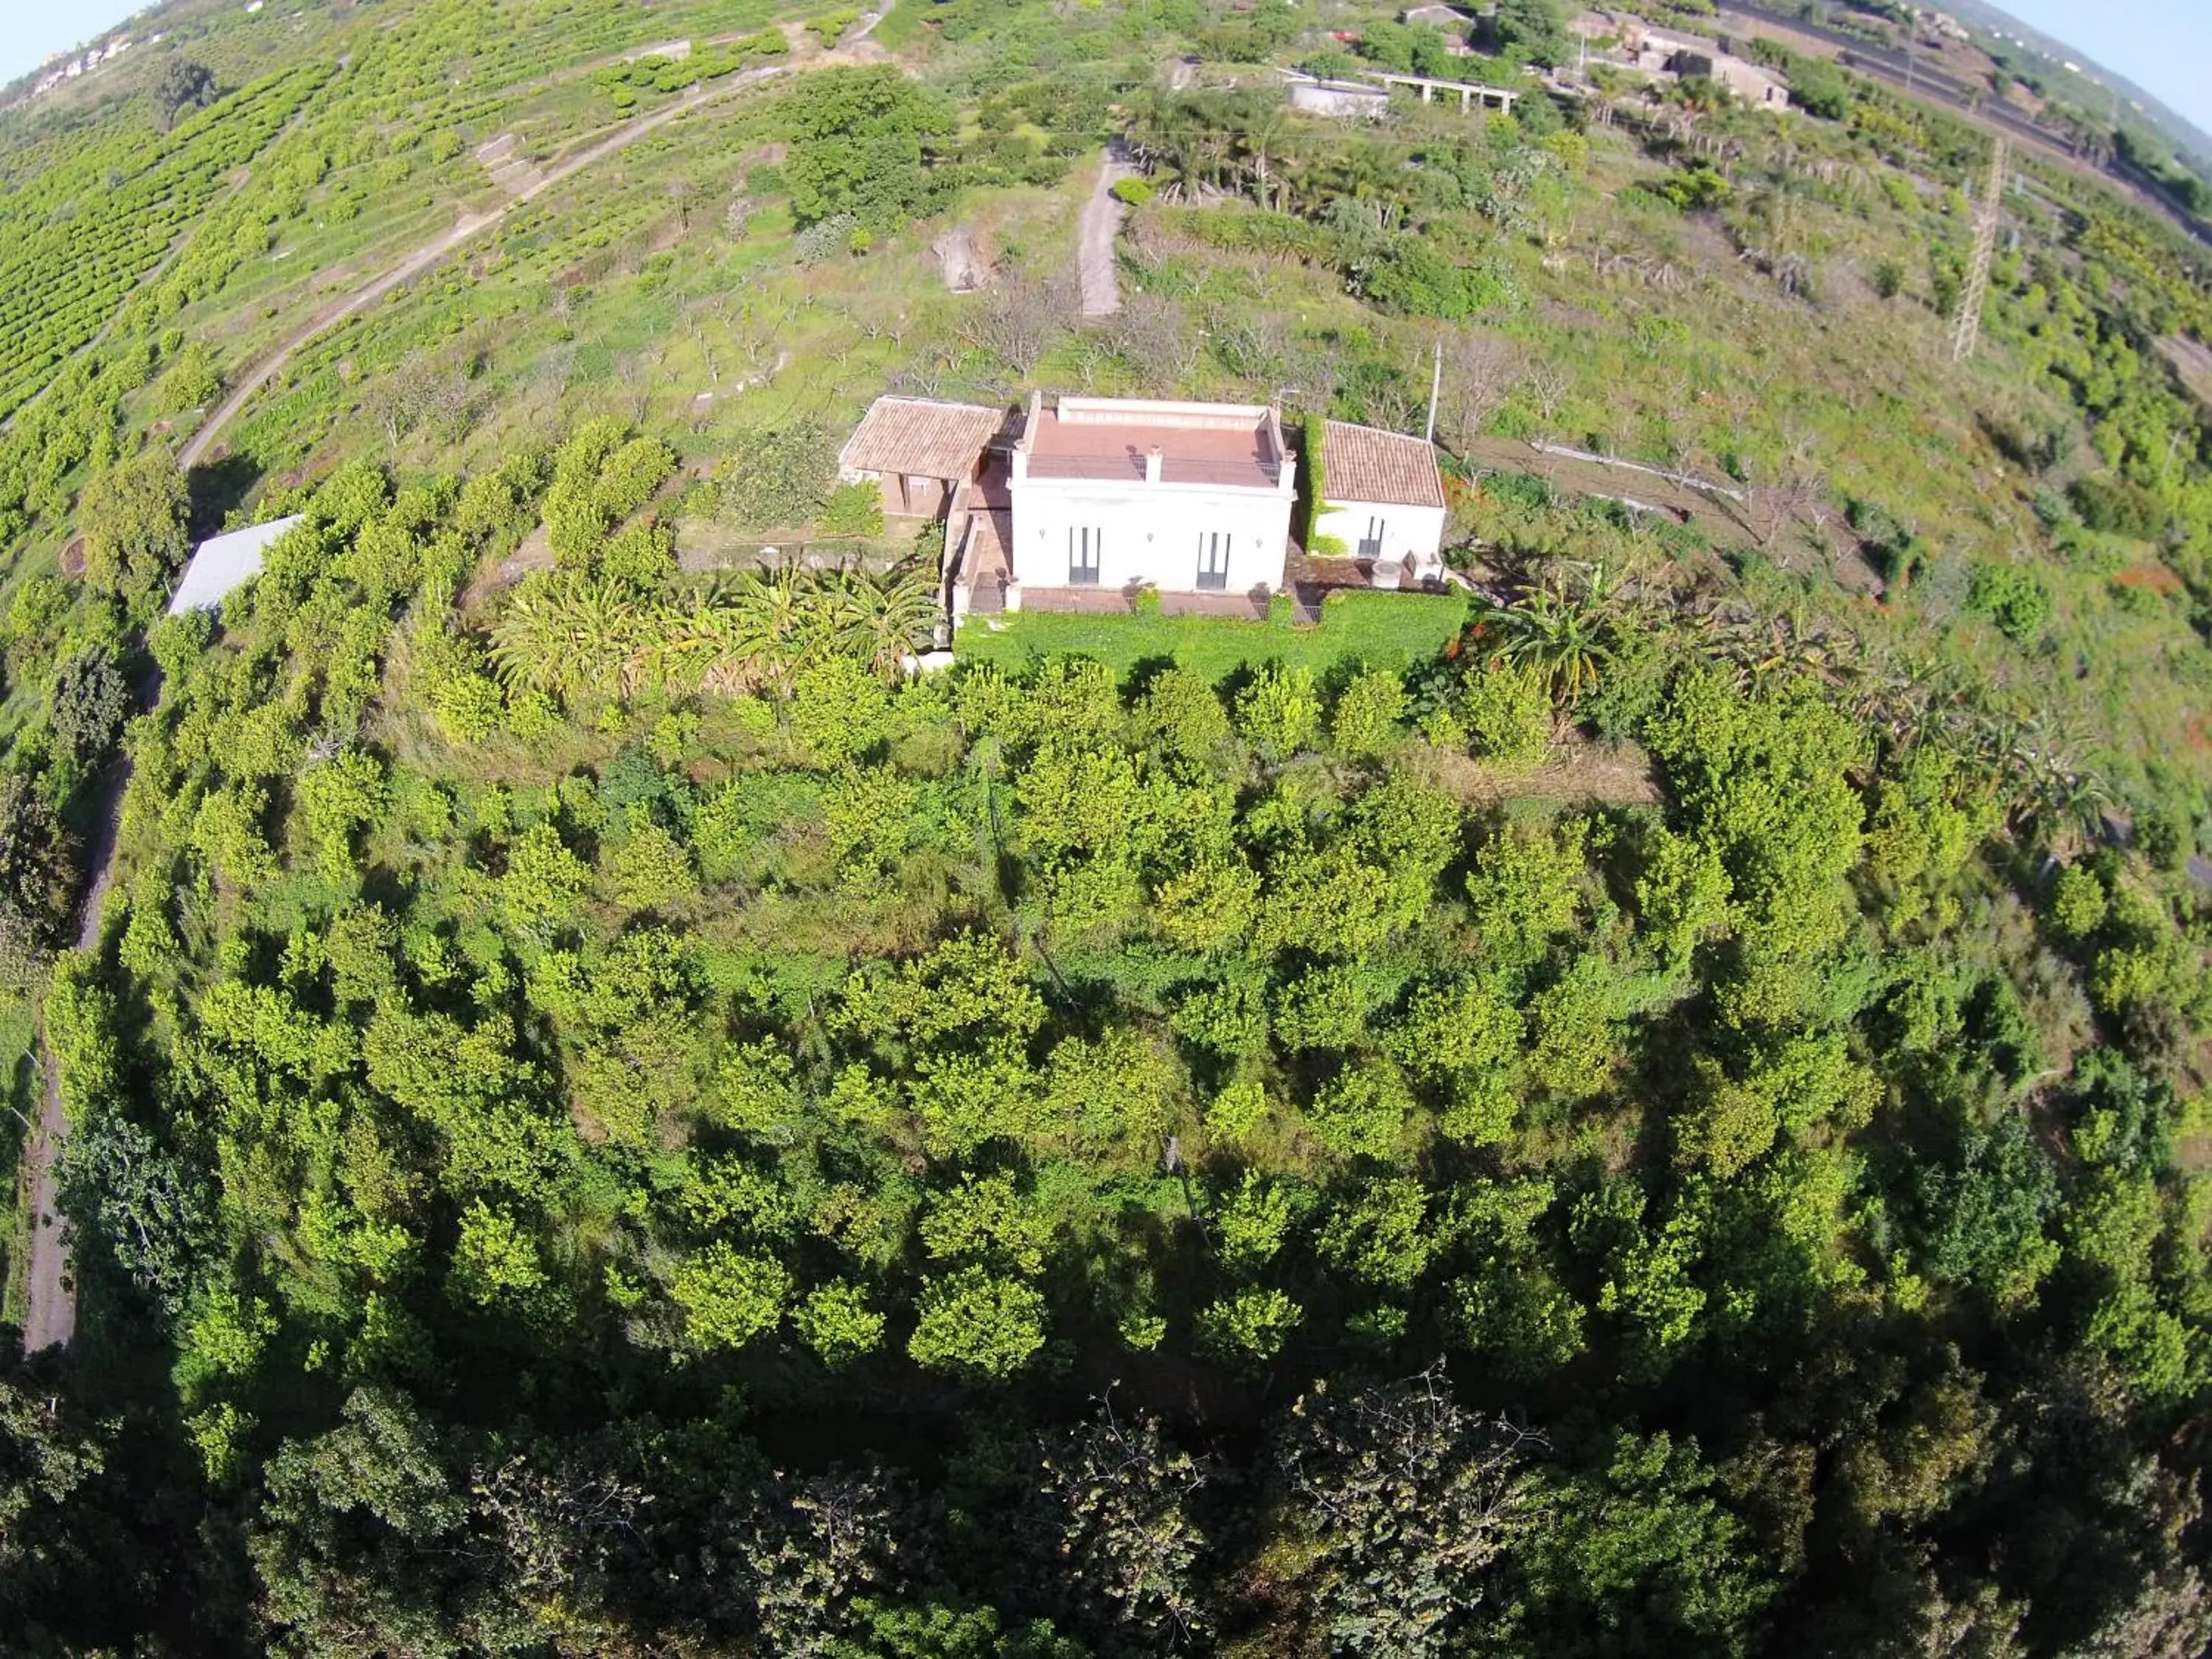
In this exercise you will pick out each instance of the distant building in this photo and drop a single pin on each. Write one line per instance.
(1470, 94)
(1384, 499)
(222, 564)
(1624, 42)
(1338, 99)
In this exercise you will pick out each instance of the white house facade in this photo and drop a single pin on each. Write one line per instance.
(1384, 499)
(1114, 493)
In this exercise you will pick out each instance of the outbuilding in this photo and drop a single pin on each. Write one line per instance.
(919, 451)
(223, 563)
(1383, 496)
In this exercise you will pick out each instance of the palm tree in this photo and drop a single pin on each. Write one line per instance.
(885, 619)
(715, 648)
(773, 610)
(1263, 136)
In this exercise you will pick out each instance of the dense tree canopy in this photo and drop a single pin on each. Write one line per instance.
(1651, 1101)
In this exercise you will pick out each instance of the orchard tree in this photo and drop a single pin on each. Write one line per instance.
(184, 85)
(132, 517)
(37, 872)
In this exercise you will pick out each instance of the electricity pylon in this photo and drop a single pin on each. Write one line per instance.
(1969, 330)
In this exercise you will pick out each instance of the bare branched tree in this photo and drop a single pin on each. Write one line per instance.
(1547, 389)
(1023, 318)
(1480, 371)
(1153, 335)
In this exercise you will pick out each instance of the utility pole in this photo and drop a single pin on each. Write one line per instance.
(1969, 331)
(1436, 386)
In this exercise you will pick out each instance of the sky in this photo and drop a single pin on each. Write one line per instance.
(29, 29)
(2162, 46)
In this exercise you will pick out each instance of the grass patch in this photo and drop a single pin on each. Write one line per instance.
(1381, 630)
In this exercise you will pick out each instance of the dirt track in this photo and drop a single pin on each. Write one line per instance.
(50, 1316)
(414, 265)
(1101, 223)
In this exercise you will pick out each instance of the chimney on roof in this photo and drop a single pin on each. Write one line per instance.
(1153, 459)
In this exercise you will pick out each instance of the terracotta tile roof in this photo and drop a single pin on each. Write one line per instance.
(1365, 464)
(921, 439)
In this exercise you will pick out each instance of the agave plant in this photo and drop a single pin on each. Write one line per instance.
(1559, 632)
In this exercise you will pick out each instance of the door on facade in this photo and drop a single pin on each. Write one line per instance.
(1370, 546)
(1083, 549)
(1213, 561)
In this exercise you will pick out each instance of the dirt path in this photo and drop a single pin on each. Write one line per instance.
(49, 1317)
(469, 226)
(1101, 223)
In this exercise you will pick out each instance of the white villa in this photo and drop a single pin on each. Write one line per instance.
(1120, 493)
(1077, 503)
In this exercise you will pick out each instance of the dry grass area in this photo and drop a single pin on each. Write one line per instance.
(1577, 773)
(2192, 363)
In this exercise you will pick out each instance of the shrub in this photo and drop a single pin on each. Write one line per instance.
(89, 705)
(852, 509)
(836, 1322)
(977, 1324)
(1280, 712)
(133, 519)
(728, 1298)
(1132, 191)
(2118, 507)
(776, 477)
(2013, 596)
(1367, 722)
(1507, 712)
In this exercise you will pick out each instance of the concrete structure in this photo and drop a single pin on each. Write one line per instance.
(920, 452)
(1107, 494)
(1623, 42)
(222, 564)
(1384, 499)
(1338, 99)
(1469, 93)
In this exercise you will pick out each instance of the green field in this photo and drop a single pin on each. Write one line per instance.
(1392, 631)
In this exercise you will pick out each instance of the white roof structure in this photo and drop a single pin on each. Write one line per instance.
(221, 564)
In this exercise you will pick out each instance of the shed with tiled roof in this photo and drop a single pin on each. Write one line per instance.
(918, 450)
(1366, 463)
(1384, 499)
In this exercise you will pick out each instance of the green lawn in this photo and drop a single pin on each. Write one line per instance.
(1381, 630)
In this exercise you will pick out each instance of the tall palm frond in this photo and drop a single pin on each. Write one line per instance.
(568, 634)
